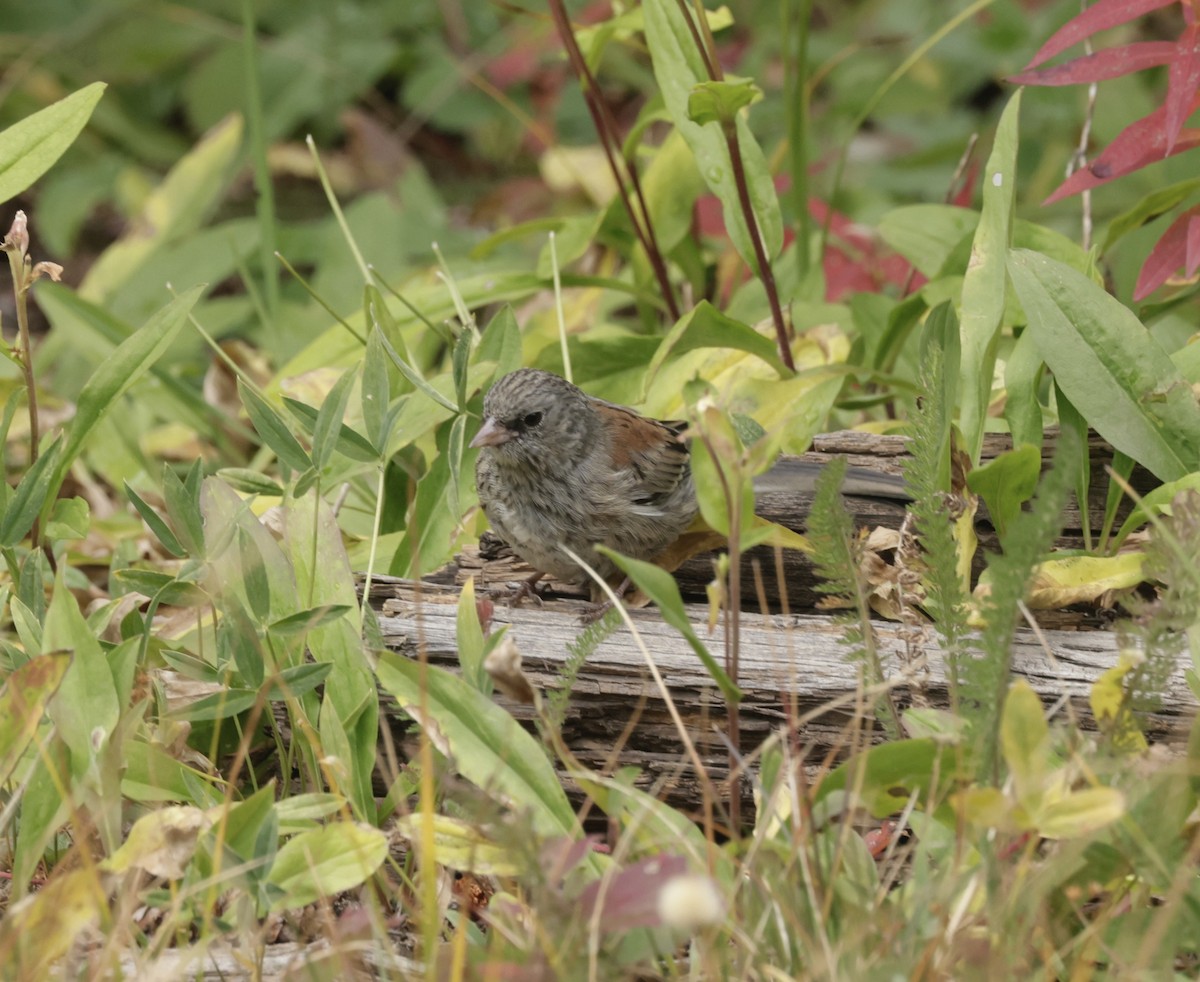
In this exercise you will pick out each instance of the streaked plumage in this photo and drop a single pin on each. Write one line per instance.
(558, 466)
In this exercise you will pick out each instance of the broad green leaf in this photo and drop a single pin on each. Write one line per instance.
(1006, 483)
(70, 518)
(885, 776)
(29, 148)
(273, 430)
(177, 206)
(488, 746)
(85, 709)
(320, 863)
(983, 293)
(1109, 365)
(660, 587)
(706, 327)
(926, 235)
(671, 185)
(22, 703)
(678, 68)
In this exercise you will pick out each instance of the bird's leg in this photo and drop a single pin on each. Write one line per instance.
(528, 588)
(598, 608)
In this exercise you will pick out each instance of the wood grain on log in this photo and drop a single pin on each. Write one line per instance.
(792, 667)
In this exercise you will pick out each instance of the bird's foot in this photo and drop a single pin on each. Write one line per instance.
(528, 588)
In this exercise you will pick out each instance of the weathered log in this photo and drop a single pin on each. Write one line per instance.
(792, 668)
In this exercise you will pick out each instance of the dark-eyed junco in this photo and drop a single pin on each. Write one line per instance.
(559, 467)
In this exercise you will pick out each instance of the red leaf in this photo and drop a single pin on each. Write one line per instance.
(1136, 146)
(1168, 254)
(1182, 83)
(1104, 14)
(1103, 65)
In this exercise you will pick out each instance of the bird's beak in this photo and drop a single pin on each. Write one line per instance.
(492, 434)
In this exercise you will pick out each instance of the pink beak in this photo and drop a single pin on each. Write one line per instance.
(492, 434)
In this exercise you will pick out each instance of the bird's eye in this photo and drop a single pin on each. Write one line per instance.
(532, 419)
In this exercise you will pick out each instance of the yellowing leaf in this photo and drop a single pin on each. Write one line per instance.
(1023, 736)
(161, 843)
(1080, 813)
(461, 846)
(1078, 579)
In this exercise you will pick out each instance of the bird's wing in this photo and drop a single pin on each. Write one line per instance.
(653, 453)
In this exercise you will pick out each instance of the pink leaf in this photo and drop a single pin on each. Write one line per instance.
(1182, 83)
(1111, 63)
(1169, 253)
(1136, 146)
(1104, 14)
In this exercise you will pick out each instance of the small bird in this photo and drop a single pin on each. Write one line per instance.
(559, 467)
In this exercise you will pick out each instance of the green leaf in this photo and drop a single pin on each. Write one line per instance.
(926, 235)
(183, 507)
(983, 293)
(706, 327)
(350, 443)
(469, 635)
(720, 102)
(176, 207)
(69, 519)
(228, 702)
(29, 148)
(22, 703)
(1154, 502)
(660, 587)
(1022, 375)
(489, 747)
(1153, 205)
(329, 419)
(1110, 367)
(375, 391)
(1006, 483)
(161, 530)
(325, 861)
(678, 68)
(304, 621)
(273, 430)
(297, 680)
(85, 708)
(30, 496)
(117, 373)
(501, 342)
(250, 481)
